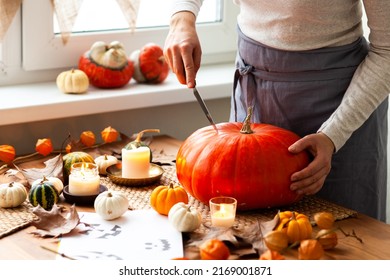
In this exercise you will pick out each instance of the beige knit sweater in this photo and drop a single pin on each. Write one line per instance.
(309, 24)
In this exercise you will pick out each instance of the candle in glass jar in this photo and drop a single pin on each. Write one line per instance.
(223, 211)
(84, 179)
(136, 162)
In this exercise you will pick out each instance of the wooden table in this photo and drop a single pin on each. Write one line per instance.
(375, 234)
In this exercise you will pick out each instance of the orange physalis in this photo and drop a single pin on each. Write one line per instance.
(271, 255)
(88, 138)
(44, 146)
(109, 134)
(7, 153)
(214, 249)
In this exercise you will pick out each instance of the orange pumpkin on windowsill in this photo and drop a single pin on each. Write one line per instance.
(107, 66)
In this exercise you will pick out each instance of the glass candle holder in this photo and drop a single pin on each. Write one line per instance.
(136, 162)
(223, 211)
(84, 179)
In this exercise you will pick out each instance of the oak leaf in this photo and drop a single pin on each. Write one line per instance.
(53, 168)
(56, 222)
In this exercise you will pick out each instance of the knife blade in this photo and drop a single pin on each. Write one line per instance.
(204, 108)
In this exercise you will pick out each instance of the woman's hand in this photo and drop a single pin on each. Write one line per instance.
(311, 179)
(182, 48)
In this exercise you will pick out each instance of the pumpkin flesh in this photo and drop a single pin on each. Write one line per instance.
(254, 168)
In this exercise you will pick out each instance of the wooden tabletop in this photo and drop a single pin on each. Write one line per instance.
(22, 245)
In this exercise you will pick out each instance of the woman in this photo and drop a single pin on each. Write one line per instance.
(304, 65)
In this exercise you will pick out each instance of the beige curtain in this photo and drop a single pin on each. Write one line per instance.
(66, 12)
(8, 9)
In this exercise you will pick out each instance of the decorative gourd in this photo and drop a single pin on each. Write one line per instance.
(184, 218)
(111, 204)
(297, 226)
(163, 198)
(43, 193)
(109, 134)
(12, 194)
(74, 157)
(44, 146)
(7, 153)
(73, 81)
(107, 66)
(104, 161)
(88, 138)
(249, 162)
(214, 249)
(138, 143)
(149, 64)
(56, 182)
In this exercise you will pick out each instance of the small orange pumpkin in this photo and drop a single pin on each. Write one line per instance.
(88, 138)
(109, 134)
(297, 226)
(7, 153)
(44, 146)
(214, 249)
(164, 197)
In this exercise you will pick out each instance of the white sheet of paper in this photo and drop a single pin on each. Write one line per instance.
(137, 235)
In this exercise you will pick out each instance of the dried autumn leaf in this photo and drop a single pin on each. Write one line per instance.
(44, 146)
(223, 234)
(54, 223)
(53, 168)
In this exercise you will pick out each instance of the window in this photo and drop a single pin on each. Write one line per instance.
(43, 48)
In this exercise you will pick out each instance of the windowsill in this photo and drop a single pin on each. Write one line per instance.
(44, 101)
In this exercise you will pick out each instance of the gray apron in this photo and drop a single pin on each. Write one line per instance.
(299, 91)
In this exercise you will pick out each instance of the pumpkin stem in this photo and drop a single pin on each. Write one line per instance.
(140, 134)
(246, 127)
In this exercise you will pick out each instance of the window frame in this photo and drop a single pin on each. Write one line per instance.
(42, 50)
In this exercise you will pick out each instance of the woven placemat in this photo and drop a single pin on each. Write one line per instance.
(14, 219)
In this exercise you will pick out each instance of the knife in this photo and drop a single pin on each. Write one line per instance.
(204, 108)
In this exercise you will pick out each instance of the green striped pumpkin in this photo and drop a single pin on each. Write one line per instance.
(74, 157)
(43, 193)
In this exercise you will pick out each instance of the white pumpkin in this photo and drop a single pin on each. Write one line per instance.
(184, 218)
(104, 161)
(73, 81)
(111, 204)
(57, 183)
(12, 194)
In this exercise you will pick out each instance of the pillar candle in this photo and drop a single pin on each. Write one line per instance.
(136, 162)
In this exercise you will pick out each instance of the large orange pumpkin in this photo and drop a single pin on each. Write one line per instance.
(249, 162)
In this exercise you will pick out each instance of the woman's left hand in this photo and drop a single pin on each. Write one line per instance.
(311, 179)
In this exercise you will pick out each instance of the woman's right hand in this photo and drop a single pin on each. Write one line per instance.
(182, 48)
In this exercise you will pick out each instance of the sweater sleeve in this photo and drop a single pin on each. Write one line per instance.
(370, 84)
(192, 6)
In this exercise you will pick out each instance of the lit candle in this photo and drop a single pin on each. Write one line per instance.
(84, 179)
(136, 162)
(223, 211)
